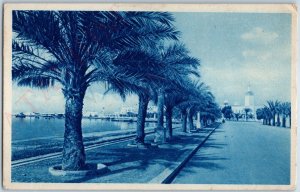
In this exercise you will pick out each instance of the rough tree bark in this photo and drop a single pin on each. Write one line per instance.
(73, 148)
(169, 128)
(190, 121)
(141, 118)
(160, 132)
(184, 120)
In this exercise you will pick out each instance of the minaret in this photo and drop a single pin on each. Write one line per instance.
(249, 98)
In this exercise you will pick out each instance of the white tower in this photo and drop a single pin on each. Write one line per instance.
(249, 101)
(249, 98)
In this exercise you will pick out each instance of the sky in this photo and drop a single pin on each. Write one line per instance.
(235, 50)
(238, 49)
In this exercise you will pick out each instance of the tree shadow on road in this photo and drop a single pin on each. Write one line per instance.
(206, 161)
(214, 145)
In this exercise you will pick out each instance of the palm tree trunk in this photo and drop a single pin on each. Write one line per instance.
(160, 133)
(190, 121)
(169, 123)
(141, 118)
(273, 122)
(73, 149)
(184, 120)
(283, 121)
(290, 120)
(278, 120)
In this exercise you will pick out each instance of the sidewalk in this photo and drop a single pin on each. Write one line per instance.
(126, 164)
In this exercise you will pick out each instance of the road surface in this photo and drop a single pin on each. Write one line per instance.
(241, 153)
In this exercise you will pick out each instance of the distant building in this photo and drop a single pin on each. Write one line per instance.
(249, 100)
(90, 114)
(133, 111)
(249, 104)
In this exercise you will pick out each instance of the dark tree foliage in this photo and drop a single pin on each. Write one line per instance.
(76, 49)
(227, 112)
(275, 108)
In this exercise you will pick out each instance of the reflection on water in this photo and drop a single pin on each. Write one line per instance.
(29, 128)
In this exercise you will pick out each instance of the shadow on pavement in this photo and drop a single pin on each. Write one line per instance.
(126, 164)
(210, 161)
(125, 159)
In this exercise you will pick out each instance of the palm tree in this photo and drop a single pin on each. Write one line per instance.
(273, 109)
(153, 66)
(142, 63)
(172, 99)
(247, 110)
(210, 112)
(202, 104)
(278, 112)
(198, 97)
(73, 48)
(260, 114)
(286, 112)
(178, 66)
(267, 115)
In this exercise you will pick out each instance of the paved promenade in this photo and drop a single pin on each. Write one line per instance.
(126, 164)
(241, 153)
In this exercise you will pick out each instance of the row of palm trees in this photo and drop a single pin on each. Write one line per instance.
(131, 52)
(272, 112)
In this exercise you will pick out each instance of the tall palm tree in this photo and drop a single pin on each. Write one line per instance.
(278, 112)
(209, 112)
(158, 69)
(286, 112)
(178, 66)
(202, 104)
(212, 111)
(173, 98)
(153, 66)
(73, 48)
(247, 110)
(142, 62)
(260, 114)
(273, 109)
(198, 97)
(267, 113)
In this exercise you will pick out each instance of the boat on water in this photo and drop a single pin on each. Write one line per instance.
(59, 116)
(20, 115)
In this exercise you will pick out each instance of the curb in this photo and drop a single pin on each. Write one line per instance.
(168, 175)
(91, 169)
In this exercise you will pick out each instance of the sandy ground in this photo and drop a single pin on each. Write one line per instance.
(241, 153)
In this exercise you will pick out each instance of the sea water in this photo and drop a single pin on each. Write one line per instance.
(31, 128)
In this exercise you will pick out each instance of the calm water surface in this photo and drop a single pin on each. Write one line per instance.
(30, 128)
